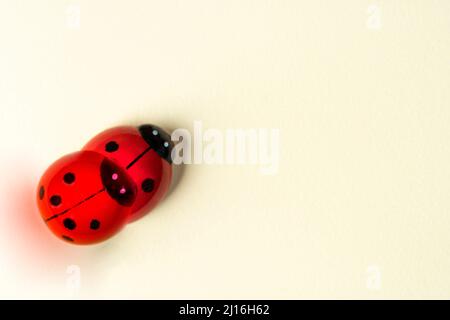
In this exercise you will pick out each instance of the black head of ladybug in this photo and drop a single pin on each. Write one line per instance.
(158, 140)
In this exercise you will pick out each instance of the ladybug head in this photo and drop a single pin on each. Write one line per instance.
(158, 140)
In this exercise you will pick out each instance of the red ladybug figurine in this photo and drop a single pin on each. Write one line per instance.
(122, 173)
(145, 152)
(85, 198)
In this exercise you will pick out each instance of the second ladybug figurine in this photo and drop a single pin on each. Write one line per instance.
(136, 160)
(145, 152)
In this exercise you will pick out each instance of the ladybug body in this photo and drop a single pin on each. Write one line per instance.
(88, 196)
(144, 153)
(85, 198)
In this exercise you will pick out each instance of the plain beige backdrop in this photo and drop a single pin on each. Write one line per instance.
(358, 89)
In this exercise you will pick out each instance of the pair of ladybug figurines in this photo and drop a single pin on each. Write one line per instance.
(120, 175)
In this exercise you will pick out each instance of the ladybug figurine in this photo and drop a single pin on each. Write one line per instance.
(145, 152)
(121, 174)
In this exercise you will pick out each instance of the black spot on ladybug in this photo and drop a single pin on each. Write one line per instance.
(67, 238)
(147, 185)
(118, 183)
(95, 224)
(111, 146)
(69, 224)
(55, 200)
(41, 192)
(69, 178)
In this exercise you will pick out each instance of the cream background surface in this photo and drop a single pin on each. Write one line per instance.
(359, 90)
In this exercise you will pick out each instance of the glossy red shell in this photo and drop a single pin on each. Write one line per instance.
(85, 198)
(150, 172)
